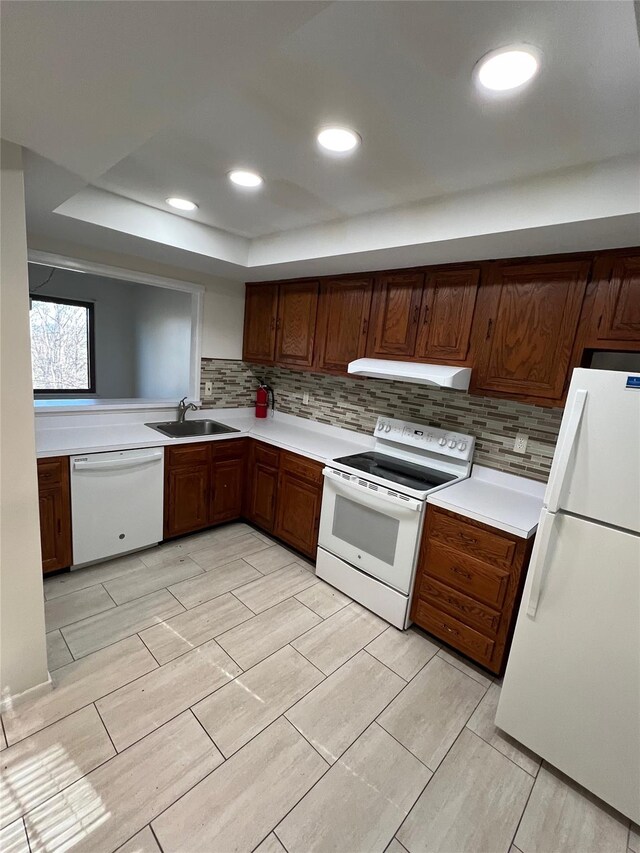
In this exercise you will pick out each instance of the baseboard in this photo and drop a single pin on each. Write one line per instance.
(9, 702)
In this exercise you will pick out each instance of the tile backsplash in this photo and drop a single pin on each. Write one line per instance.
(355, 403)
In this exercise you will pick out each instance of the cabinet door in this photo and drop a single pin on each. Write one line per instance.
(343, 319)
(186, 498)
(394, 315)
(264, 487)
(228, 477)
(528, 325)
(295, 329)
(260, 312)
(618, 300)
(447, 310)
(55, 529)
(298, 513)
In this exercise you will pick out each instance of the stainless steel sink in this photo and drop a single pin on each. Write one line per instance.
(191, 428)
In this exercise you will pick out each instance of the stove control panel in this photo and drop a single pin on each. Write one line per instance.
(444, 442)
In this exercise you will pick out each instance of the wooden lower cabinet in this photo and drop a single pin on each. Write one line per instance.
(299, 501)
(262, 485)
(203, 485)
(468, 585)
(55, 513)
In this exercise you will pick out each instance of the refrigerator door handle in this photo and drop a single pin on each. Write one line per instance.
(539, 561)
(556, 483)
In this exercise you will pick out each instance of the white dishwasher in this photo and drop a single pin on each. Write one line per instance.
(116, 502)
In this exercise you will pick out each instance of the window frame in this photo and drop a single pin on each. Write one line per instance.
(91, 348)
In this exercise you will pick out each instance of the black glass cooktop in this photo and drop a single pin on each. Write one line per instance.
(396, 471)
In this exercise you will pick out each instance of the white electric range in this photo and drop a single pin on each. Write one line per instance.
(373, 507)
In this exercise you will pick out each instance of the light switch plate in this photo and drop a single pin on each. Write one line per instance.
(305, 398)
(520, 444)
(208, 388)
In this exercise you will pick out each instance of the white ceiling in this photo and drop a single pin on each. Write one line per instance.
(143, 100)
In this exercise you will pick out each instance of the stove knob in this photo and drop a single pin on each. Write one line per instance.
(387, 428)
(452, 444)
(442, 442)
(380, 427)
(462, 445)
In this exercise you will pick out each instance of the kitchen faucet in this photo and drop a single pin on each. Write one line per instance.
(183, 408)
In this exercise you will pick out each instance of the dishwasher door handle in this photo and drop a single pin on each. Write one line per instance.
(115, 464)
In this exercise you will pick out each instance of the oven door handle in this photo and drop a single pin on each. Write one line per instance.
(370, 496)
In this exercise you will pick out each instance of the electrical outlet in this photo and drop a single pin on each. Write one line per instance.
(305, 398)
(520, 444)
(208, 388)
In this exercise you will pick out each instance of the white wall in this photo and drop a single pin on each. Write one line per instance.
(162, 343)
(23, 657)
(114, 323)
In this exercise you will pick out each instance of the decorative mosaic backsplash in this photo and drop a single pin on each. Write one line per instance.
(355, 403)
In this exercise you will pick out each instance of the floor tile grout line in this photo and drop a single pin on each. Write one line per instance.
(84, 775)
(104, 726)
(522, 813)
(386, 666)
(231, 592)
(446, 650)
(467, 726)
(77, 621)
(406, 748)
(4, 731)
(157, 840)
(208, 734)
(159, 589)
(282, 715)
(89, 586)
(92, 701)
(102, 584)
(324, 618)
(317, 668)
(26, 835)
(139, 634)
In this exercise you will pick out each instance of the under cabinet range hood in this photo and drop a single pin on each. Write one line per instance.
(435, 375)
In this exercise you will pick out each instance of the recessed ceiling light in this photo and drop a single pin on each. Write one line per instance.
(245, 178)
(508, 68)
(182, 203)
(338, 139)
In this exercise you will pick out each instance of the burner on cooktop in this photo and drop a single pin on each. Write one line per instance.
(396, 470)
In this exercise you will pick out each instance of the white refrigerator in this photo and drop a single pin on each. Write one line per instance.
(571, 689)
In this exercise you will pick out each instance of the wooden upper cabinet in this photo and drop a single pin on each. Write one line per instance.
(448, 301)
(260, 314)
(395, 314)
(296, 325)
(526, 323)
(617, 311)
(343, 319)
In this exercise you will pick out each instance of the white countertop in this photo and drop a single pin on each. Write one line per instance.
(501, 500)
(73, 434)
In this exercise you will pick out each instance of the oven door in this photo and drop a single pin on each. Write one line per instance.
(376, 532)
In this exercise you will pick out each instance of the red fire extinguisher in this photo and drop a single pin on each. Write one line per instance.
(262, 399)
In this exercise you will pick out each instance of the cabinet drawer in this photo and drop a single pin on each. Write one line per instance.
(306, 469)
(454, 632)
(470, 611)
(265, 455)
(52, 471)
(187, 454)
(233, 449)
(479, 580)
(472, 540)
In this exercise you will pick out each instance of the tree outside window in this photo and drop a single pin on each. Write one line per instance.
(62, 346)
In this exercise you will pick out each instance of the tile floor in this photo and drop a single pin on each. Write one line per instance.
(213, 695)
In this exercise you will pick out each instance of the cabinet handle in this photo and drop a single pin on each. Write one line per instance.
(59, 527)
(416, 314)
(450, 630)
(599, 321)
(365, 326)
(470, 540)
(273, 323)
(463, 574)
(278, 323)
(489, 327)
(426, 315)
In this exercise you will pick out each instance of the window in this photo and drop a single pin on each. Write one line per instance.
(62, 350)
